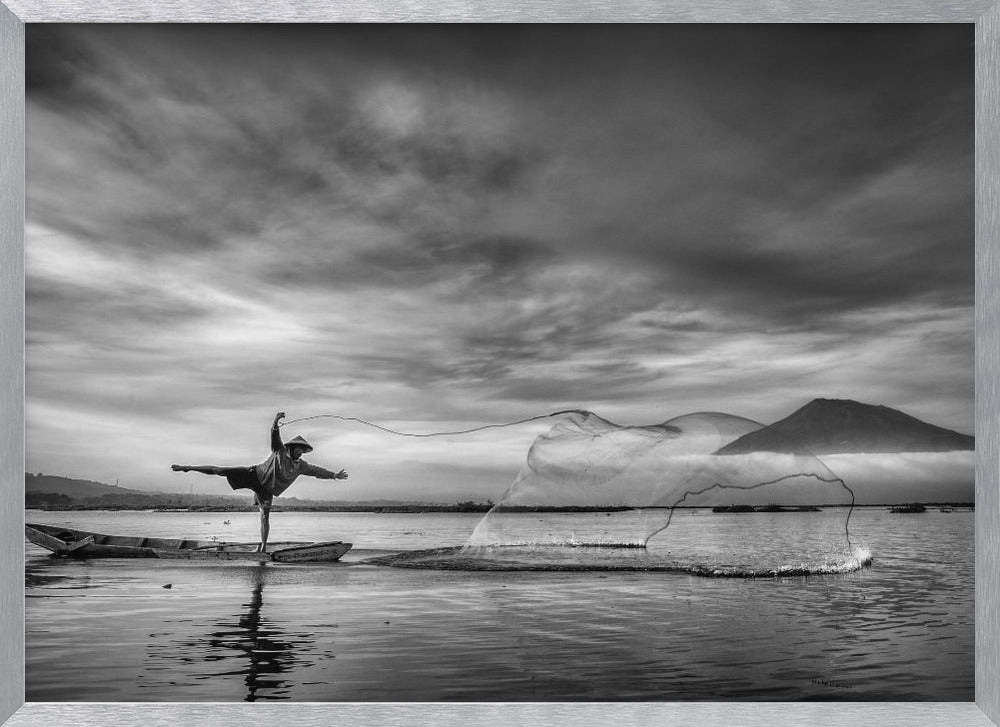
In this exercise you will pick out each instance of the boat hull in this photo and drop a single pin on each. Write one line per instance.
(85, 544)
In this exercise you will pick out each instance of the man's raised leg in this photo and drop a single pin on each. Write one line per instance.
(208, 469)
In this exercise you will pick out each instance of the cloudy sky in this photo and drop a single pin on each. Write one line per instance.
(440, 227)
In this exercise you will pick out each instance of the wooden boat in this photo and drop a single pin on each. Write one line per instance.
(913, 507)
(84, 544)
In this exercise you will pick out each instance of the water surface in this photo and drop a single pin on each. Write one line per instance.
(109, 630)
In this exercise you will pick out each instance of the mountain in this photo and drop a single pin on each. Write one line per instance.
(836, 426)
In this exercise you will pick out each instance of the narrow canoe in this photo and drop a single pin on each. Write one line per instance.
(85, 544)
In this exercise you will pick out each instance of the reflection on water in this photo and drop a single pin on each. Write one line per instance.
(38, 573)
(246, 644)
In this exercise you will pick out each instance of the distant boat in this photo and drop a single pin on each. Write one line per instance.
(913, 507)
(84, 544)
(227, 522)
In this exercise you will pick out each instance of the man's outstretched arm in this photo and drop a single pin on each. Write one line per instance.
(276, 443)
(322, 473)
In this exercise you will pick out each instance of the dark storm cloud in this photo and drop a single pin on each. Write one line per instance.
(822, 164)
(611, 382)
(58, 62)
(486, 262)
(417, 220)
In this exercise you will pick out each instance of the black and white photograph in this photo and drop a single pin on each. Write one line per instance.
(499, 363)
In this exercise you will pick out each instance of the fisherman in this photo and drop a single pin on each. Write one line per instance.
(271, 477)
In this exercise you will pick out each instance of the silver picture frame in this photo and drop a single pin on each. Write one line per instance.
(985, 14)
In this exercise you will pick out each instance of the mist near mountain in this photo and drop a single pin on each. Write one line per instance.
(897, 477)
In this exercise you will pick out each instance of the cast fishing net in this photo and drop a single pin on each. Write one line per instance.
(595, 494)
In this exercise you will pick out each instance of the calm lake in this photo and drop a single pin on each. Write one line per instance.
(109, 630)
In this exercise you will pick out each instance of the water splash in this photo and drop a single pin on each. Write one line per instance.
(567, 559)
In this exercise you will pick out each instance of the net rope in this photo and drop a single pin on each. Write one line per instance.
(459, 432)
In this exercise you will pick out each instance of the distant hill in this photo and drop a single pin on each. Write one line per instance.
(838, 426)
(52, 492)
(76, 489)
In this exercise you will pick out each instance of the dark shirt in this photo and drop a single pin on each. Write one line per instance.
(279, 471)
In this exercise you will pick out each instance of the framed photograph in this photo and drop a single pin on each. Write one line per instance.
(533, 364)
